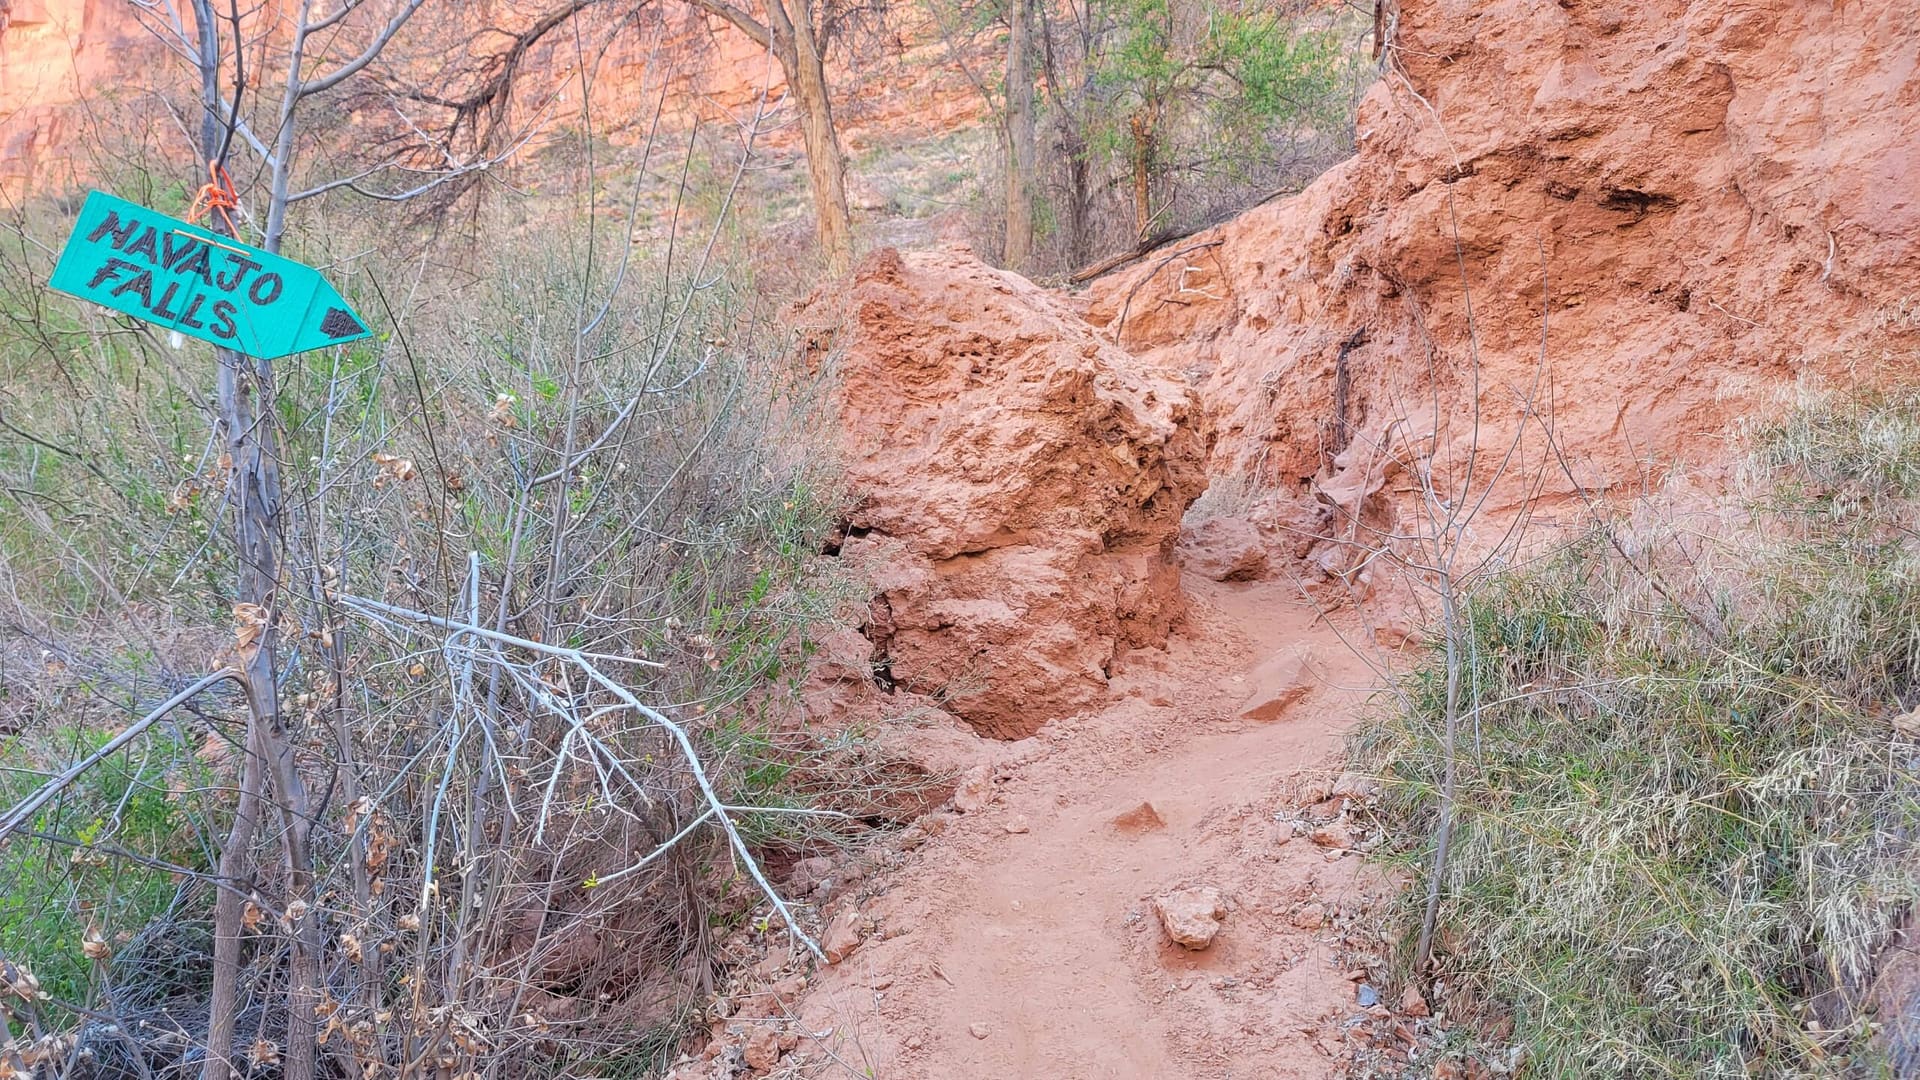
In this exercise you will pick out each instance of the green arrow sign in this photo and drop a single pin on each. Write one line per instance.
(186, 278)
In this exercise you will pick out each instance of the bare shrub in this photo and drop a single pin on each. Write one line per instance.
(552, 542)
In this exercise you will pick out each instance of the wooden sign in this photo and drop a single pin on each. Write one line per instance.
(186, 278)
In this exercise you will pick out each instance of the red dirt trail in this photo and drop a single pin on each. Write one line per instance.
(1020, 940)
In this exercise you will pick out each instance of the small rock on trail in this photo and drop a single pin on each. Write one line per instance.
(1142, 818)
(761, 1051)
(841, 938)
(1333, 836)
(1191, 916)
(1224, 549)
(1412, 1003)
(1283, 680)
(975, 790)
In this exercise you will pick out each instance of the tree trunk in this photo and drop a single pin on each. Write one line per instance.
(795, 43)
(248, 430)
(1141, 125)
(826, 166)
(245, 400)
(1020, 138)
(1079, 195)
(235, 863)
(229, 911)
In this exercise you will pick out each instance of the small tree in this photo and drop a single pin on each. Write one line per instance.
(1012, 103)
(1019, 126)
(798, 34)
(477, 88)
(217, 46)
(1192, 87)
(640, 542)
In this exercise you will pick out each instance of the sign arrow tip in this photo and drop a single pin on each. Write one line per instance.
(340, 323)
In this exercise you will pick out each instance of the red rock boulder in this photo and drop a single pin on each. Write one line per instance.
(1018, 485)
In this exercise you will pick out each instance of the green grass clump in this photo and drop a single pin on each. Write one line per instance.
(53, 897)
(1686, 813)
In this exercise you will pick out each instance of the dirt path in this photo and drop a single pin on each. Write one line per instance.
(1020, 941)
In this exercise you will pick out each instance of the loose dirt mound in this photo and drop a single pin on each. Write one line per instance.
(1019, 485)
(1687, 206)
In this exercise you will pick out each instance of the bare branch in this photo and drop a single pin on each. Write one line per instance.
(740, 19)
(716, 806)
(352, 183)
(336, 18)
(24, 810)
(350, 68)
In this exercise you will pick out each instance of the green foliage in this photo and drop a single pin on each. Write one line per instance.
(1684, 835)
(1201, 93)
(1245, 62)
(52, 896)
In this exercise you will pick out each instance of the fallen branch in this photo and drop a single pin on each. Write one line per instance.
(1167, 236)
(717, 808)
(24, 810)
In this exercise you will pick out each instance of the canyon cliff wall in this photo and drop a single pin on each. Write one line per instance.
(82, 82)
(1629, 225)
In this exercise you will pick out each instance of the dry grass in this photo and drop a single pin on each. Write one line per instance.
(1682, 849)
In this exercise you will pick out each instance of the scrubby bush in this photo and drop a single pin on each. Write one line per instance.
(585, 437)
(1687, 798)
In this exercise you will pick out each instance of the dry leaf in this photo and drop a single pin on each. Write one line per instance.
(355, 810)
(20, 981)
(393, 470)
(250, 917)
(350, 945)
(249, 622)
(181, 498)
(263, 1053)
(1908, 724)
(94, 946)
(502, 411)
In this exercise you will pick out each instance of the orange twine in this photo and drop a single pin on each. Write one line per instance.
(216, 194)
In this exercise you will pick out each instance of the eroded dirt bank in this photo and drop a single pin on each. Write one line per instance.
(1604, 230)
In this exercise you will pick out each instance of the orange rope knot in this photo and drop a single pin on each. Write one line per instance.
(216, 194)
